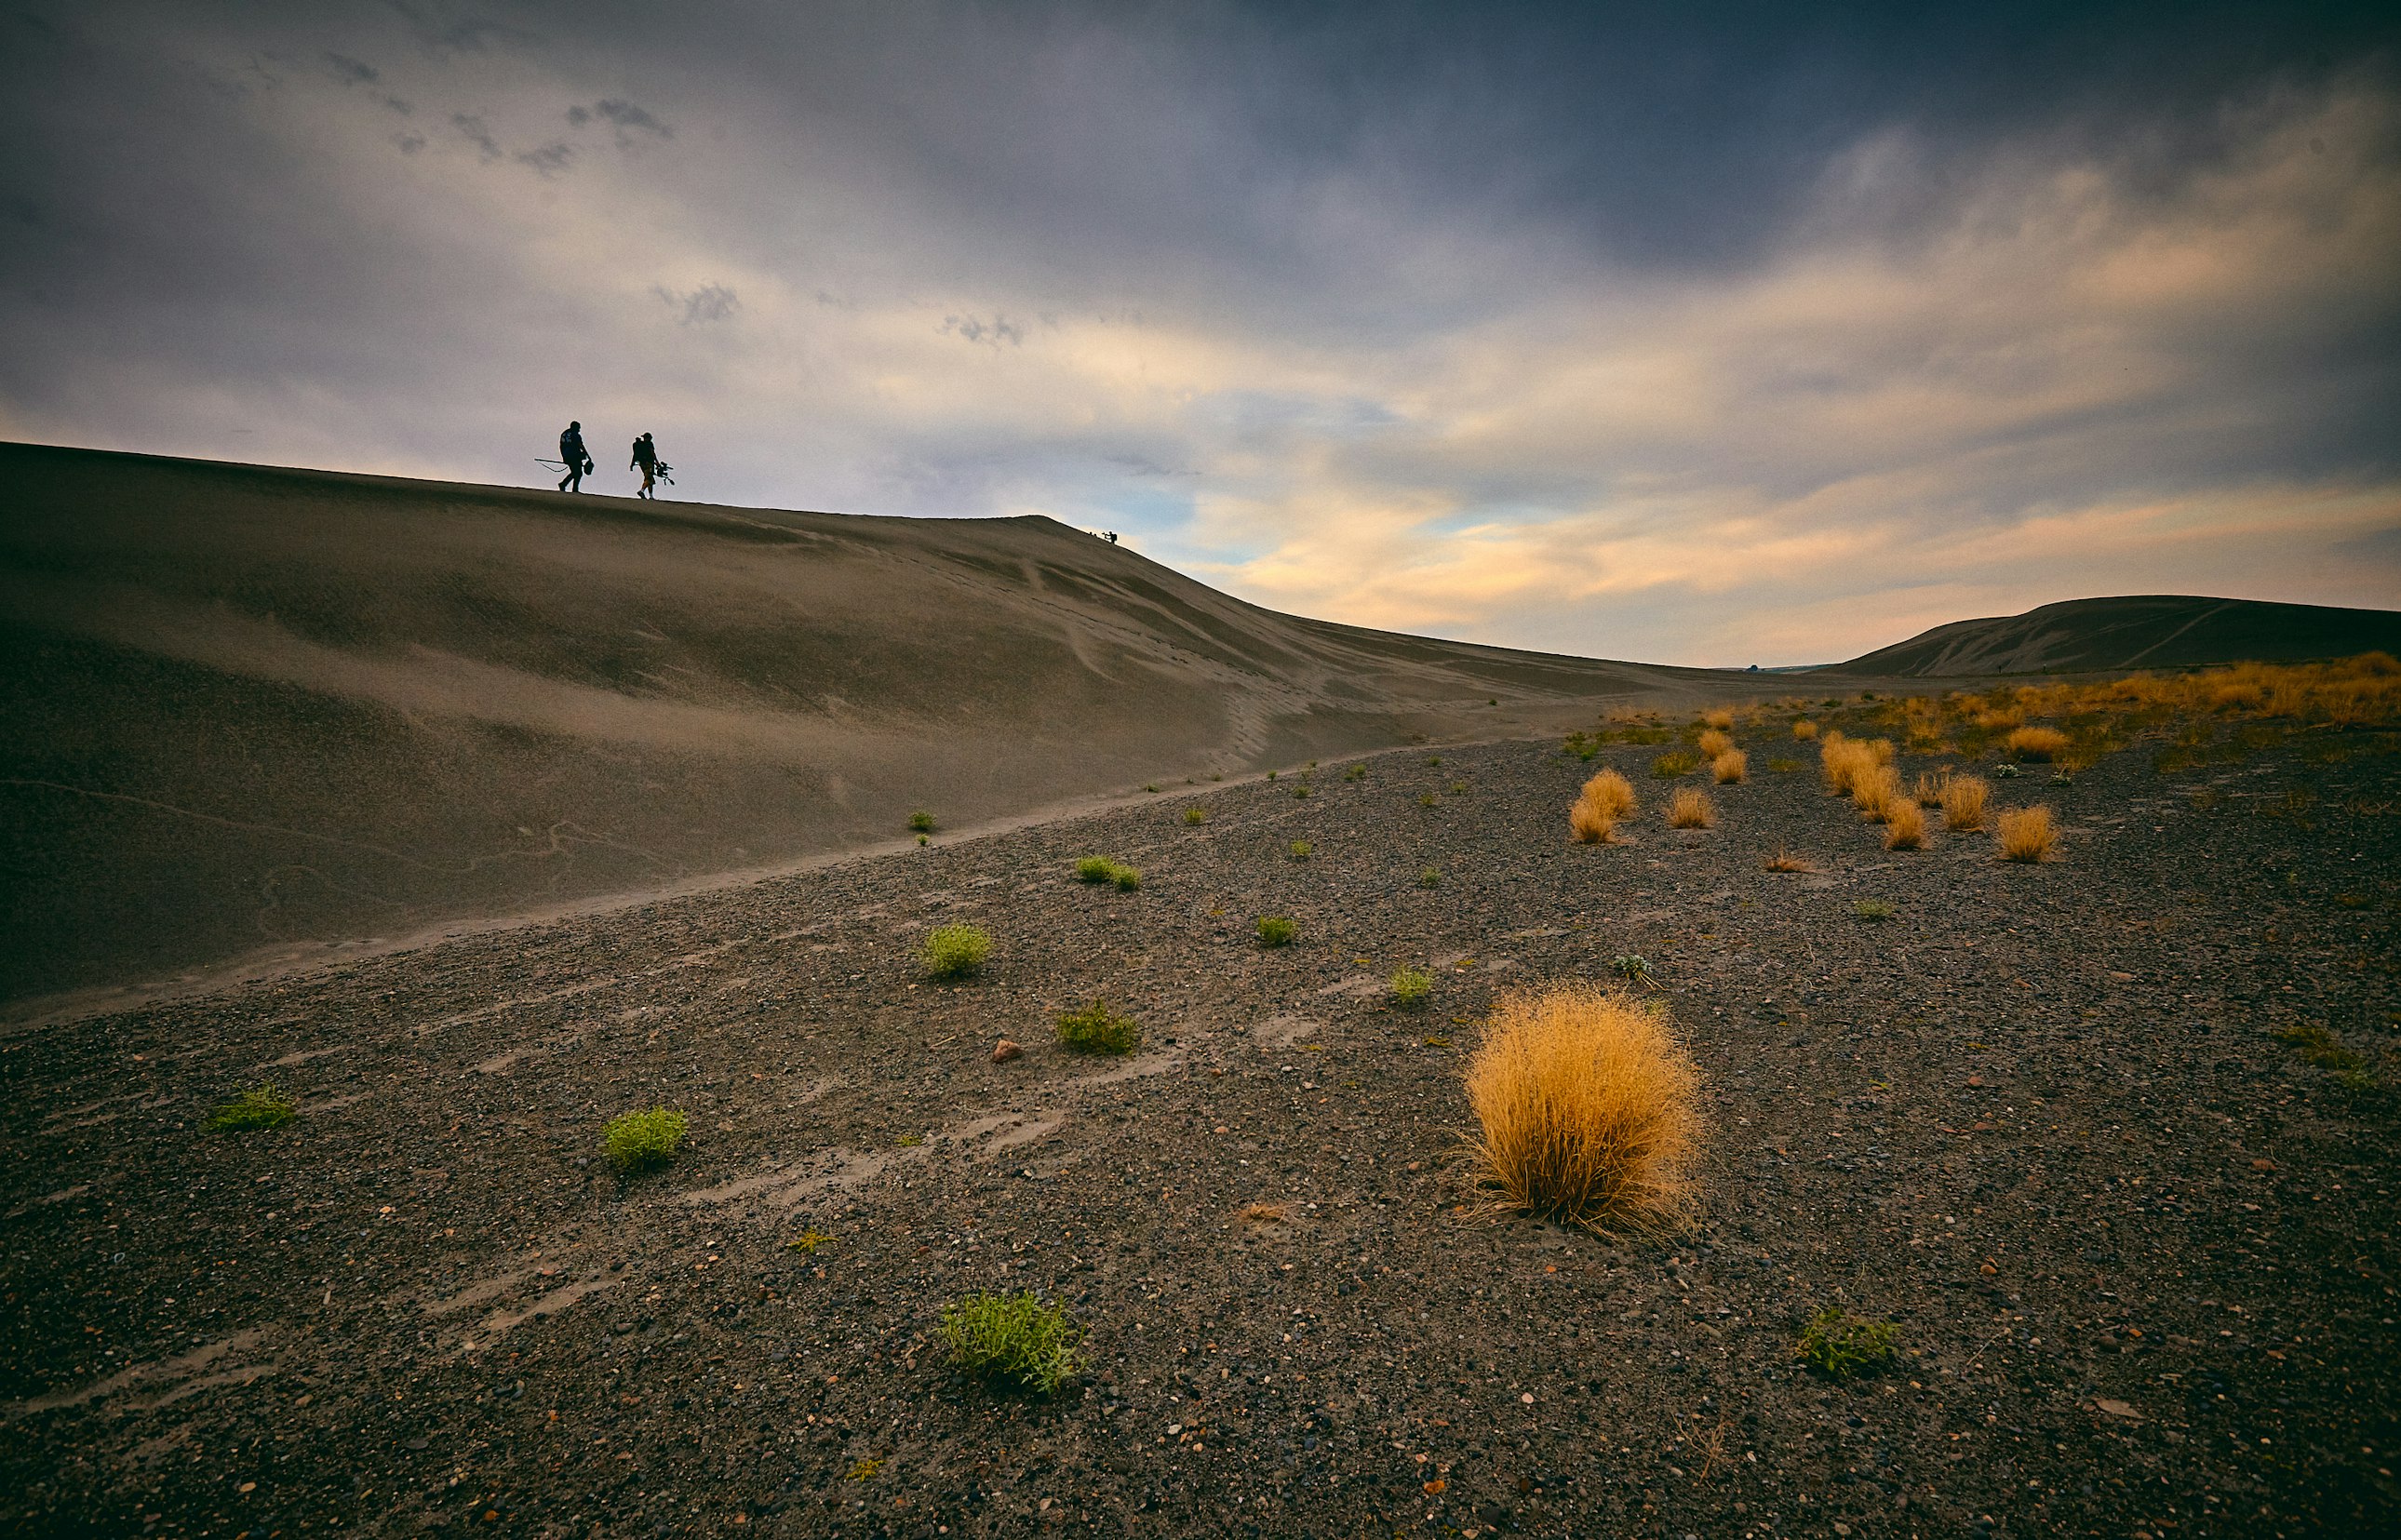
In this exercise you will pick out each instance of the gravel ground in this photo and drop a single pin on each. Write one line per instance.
(2139, 1249)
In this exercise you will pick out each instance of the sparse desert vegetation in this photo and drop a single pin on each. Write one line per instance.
(643, 1140)
(1691, 808)
(921, 821)
(1670, 766)
(1842, 1346)
(1731, 768)
(1904, 825)
(1275, 930)
(1781, 860)
(1097, 1029)
(1410, 986)
(1587, 1105)
(2026, 833)
(1714, 744)
(1196, 816)
(959, 951)
(1013, 1341)
(1963, 803)
(260, 1107)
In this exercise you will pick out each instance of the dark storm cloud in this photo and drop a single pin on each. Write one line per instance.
(1459, 314)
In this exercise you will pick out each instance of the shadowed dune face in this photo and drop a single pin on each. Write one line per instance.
(246, 708)
(2139, 631)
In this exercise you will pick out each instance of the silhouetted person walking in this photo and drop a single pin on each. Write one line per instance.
(571, 453)
(646, 459)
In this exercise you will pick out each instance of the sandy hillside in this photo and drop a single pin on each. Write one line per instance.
(241, 706)
(2135, 631)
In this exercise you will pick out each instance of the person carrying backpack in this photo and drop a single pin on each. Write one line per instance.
(572, 454)
(646, 459)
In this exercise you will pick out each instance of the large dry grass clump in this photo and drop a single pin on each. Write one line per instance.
(1876, 791)
(1588, 1108)
(1721, 719)
(1592, 818)
(2026, 833)
(1963, 803)
(1904, 826)
(1713, 743)
(1691, 808)
(1730, 768)
(2036, 743)
(1805, 729)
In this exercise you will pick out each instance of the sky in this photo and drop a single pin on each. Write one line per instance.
(1683, 332)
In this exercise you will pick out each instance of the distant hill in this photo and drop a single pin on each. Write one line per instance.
(2138, 631)
(246, 708)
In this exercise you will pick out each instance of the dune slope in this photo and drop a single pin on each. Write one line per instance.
(2135, 631)
(246, 708)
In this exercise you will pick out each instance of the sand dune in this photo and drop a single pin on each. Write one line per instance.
(2137, 631)
(252, 708)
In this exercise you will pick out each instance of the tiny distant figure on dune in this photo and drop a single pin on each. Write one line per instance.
(572, 455)
(1110, 535)
(646, 459)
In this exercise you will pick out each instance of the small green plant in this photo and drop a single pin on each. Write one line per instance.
(1410, 987)
(639, 1141)
(924, 839)
(1276, 930)
(1458, 789)
(1013, 1341)
(1302, 850)
(2318, 1044)
(956, 951)
(2005, 771)
(1842, 1346)
(1669, 766)
(1872, 909)
(922, 821)
(1430, 877)
(1435, 759)
(1429, 799)
(808, 1241)
(1357, 772)
(1783, 767)
(1629, 965)
(1302, 791)
(1097, 1029)
(1271, 775)
(1128, 879)
(1150, 786)
(1095, 869)
(911, 1141)
(1196, 816)
(865, 1470)
(260, 1107)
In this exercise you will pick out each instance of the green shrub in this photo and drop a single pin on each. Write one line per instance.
(1669, 766)
(1276, 930)
(1357, 772)
(1629, 965)
(1013, 1341)
(1433, 759)
(1128, 879)
(956, 951)
(1458, 789)
(1842, 1346)
(1302, 850)
(1095, 869)
(1302, 791)
(1096, 1029)
(1150, 786)
(1410, 987)
(637, 1141)
(1430, 877)
(1872, 909)
(1429, 799)
(1196, 816)
(260, 1107)
(922, 821)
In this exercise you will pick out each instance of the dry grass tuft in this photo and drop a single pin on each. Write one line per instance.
(2026, 833)
(1805, 729)
(2036, 743)
(1963, 803)
(1785, 860)
(1904, 826)
(1713, 743)
(1730, 768)
(1605, 799)
(1721, 719)
(1263, 1213)
(1876, 791)
(1691, 808)
(1588, 825)
(1589, 1106)
(1930, 787)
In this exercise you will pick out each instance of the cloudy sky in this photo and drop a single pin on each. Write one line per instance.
(1681, 332)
